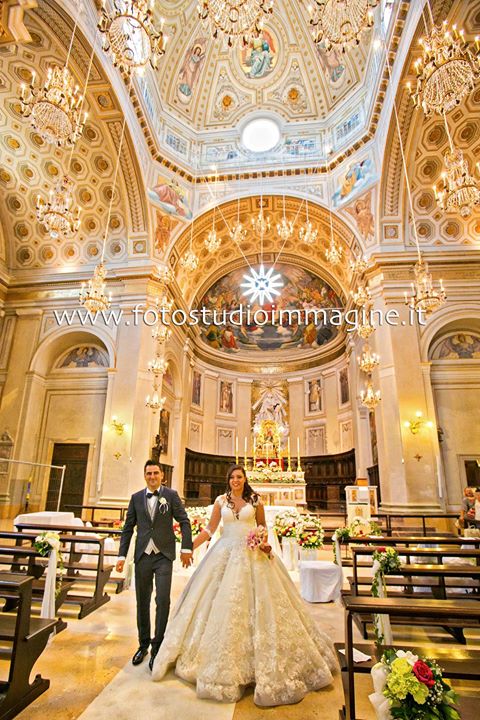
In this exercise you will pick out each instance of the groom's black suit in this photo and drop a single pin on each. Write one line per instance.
(159, 529)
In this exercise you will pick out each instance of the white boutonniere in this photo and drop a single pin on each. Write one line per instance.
(162, 505)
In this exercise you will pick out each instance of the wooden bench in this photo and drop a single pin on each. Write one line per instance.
(26, 638)
(22, 560)
(431, 576)
(76, 533)
(433, 612)
(409, 540)
(76, 569)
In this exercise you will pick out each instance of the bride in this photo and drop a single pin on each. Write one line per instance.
(240, 620)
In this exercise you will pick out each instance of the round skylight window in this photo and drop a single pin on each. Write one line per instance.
(260, 135)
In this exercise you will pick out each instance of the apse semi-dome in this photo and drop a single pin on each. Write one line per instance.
(230, 322)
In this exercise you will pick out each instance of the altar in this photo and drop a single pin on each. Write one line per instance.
(279, 493)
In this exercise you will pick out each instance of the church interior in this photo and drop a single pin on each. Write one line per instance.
(239, 233)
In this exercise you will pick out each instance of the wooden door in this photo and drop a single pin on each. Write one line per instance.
(75, 457)
(472, 471)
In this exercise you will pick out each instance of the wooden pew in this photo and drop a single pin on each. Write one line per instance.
(27, 637)
(433, 576)
(410, 540)
(75, 568)
(22, 560)
(433, 612)
(73, 530)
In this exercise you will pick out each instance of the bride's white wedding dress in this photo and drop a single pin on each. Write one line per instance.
(241, 621)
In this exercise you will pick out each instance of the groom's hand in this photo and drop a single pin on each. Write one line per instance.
(187, 559)
(120, 565)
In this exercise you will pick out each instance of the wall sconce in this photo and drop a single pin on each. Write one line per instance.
(416, 425)
(118, 426)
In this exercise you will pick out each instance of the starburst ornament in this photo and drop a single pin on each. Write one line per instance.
(340, 23)
(56, 214)
(285, 229)
(189, 261)
(234, 20)
(446, 72)
(129, 35)
(460, 192)
(92, 295)
(262, 285)
(370, 398)
(54, 109)
(307, 233)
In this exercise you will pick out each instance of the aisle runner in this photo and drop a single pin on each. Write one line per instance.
(132, 695)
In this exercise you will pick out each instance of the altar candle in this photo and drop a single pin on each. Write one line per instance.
(288, 449)
(254, 452)
(236, 450)
(298, 449)
(245, 451)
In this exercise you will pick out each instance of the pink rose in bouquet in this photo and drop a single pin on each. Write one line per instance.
(257, 538)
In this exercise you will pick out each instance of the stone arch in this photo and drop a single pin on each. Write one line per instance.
(59, 341)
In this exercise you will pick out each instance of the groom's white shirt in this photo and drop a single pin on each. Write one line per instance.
(151, 547)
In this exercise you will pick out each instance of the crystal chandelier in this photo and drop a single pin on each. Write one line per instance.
(359, 265)
(333, 253)
(234, 20)
(56, 214)
(370, 398)
(212, 242)
(460, 192)
(164, 275)
(129, 36)
(92, 296)
(238, 232)
(368, 361)
(163, 304)
(362, 296)
(307, 233)
(425, 298)
(446, 72)
(285, 229)
(159, 366)
(189, 261)
(54, 109)
(154, 402)
(339, 23)
(365, 329)
(260, 223)
(161, 334)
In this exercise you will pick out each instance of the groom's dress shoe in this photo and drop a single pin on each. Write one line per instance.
(153, 655)
(139, 655)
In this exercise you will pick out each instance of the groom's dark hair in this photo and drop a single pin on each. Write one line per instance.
(152, 462)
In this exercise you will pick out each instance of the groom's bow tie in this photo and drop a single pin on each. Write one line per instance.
(149, 495)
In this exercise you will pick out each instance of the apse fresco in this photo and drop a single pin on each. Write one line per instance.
(301, 291)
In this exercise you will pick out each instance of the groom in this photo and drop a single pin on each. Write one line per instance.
(152, 511)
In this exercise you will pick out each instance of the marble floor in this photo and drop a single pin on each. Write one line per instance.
(91, 659)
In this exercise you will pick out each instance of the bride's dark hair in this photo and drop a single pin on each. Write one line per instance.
(249, 495)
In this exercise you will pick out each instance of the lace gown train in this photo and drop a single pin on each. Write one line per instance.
(241, 621)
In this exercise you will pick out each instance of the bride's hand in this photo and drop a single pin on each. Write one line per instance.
(267, 549)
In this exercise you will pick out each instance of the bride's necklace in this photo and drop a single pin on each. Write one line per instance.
(236, 512)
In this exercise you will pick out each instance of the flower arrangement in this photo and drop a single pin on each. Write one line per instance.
(385, 561)
(357, 528)
(257, 539)
(198, 517)
(413, 687)
(44, 544)
(286, 523)
(310, 532)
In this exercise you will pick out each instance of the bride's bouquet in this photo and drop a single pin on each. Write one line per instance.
(257, 539)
